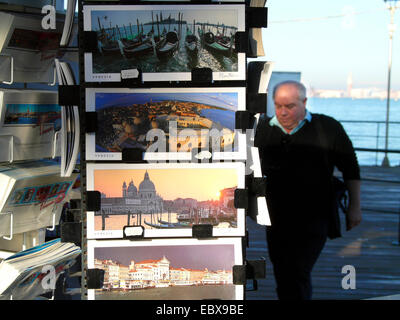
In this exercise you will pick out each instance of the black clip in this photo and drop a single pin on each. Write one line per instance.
(257, 187)
(242, 41)
(71, 232)
(133, 155)
(202, 75)
(69, 95)
(242, 120)
(239, 274)
(257, 17)
(252, 269)
(256, 102)
(95, 278)
(202, 231)
(91, 122)
(255, 269)
(89, 41)
(93, 201)
(241, 200)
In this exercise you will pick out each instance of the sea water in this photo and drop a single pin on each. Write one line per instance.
(181, 61)
(364, 122)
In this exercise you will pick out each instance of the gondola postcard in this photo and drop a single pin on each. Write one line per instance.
(164, 42)
(166, 123)
(166, 200)
(168, 269)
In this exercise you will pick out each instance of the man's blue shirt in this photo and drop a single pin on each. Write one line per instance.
(274, 122)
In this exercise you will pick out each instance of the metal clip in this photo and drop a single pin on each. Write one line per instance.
(11, 227)
(56, 134)
(11, 69)
(54, 219)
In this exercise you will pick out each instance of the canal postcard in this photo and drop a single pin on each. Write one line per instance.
(164, 42)
(171, 269)
(166, 123)
(165, 199)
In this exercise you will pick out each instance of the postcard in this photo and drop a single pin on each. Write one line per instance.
(165, 199)
(164, 42)
(29, 123)
(28, 48)
(32, 195)
(167, 123)
(172, 269)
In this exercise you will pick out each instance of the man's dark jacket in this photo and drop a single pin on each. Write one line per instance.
(299, 171)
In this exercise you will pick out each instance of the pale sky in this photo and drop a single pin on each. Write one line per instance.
(325, 40)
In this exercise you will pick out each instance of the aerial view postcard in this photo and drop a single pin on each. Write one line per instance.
(172, 269)
(165, 199)
(164, 42)
(166, 123)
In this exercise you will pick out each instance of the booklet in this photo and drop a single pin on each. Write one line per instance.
(27, 50)
(30, 121)
(32, 195)
(30, 273)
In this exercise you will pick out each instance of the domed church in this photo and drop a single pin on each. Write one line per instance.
(145, 200)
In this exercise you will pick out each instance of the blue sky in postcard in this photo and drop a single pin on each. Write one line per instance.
(228, 100)
(124, 17)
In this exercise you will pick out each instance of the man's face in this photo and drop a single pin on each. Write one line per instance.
(289, 108)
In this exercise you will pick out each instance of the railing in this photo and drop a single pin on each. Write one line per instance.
(378, 136)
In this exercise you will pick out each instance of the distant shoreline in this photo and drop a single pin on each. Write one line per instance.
(349, 98)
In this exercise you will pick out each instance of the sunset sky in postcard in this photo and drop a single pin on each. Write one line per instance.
(200, 184)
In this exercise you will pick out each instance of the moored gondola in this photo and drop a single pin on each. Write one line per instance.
(210, 43)
(191, 42)
(170, 45)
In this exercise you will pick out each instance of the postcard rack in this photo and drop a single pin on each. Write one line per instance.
(7, 145)
(100, 81)
(12, 65)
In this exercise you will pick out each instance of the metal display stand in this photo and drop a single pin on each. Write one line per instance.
(201, 77)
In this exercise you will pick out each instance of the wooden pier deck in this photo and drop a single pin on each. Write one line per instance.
(369, 247)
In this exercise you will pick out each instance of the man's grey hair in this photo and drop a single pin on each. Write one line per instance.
(300, 87)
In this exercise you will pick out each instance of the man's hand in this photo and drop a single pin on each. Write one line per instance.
(353, 216)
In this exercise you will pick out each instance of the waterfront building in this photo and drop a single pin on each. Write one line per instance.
(196, 276)
(144, 199)
(150, 271)
(157, 273)
(180, 276)
(227, 197)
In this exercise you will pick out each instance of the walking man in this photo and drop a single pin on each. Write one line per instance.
(299, 166)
